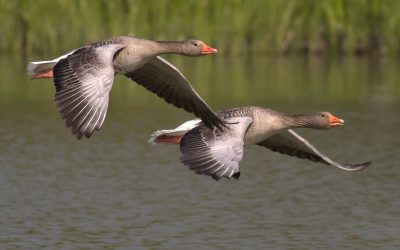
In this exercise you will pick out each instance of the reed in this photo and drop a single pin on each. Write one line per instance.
(50, 27)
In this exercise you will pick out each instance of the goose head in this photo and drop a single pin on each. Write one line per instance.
(325, 120)
(197, 48)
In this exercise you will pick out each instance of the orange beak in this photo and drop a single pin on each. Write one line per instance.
(47, 74)
(334, 121)
(208, 50)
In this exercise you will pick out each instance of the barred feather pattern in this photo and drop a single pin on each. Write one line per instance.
(83, 81)
(284, 143)
(215, 152)
(291, 143)
(166, 81)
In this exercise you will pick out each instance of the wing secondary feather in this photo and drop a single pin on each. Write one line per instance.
(290, 143)
(215, 153)
(83, 81)
(166, 81)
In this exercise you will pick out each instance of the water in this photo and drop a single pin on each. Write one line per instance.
(115, 191)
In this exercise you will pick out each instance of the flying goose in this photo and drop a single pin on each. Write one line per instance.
(83, 78)
(217, 153)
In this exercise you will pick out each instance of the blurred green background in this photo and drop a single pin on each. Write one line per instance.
(49, 27)
(342, 51)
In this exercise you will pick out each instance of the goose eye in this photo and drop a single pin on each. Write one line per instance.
(195, 44)
(323, 115)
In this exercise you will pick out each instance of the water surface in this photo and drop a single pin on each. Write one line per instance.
(116, 191)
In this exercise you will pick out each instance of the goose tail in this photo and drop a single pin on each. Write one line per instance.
(173, 136)
(42, 67)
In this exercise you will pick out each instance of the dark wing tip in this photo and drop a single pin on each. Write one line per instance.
(354, 167)
(215, 177)
(211, 119)
(236, 175)
(360, 166)
(218, 177)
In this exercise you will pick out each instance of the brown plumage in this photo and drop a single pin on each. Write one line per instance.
(83, 78)
(217, 153)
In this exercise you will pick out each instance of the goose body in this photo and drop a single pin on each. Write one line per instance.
(83, 78)
(217, 153)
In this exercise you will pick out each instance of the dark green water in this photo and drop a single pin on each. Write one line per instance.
(116, 191)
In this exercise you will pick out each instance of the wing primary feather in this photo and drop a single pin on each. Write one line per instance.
(166, 81)
(290, 143)
(83, 81)
(213, 152)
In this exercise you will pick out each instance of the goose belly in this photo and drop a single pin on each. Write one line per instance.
(254, 136)
(262, 128)
(128, 66)
(129, 60)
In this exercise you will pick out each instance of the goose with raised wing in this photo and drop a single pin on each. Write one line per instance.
(217, 153)
(83, 78)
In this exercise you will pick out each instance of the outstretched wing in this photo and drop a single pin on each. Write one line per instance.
(166, 81)
(290, 143)
(83, 81)
(215, 153)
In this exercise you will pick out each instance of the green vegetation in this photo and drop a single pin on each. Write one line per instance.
(50, 27)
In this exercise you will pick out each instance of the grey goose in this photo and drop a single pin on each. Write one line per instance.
(217, 153)
(83, 78)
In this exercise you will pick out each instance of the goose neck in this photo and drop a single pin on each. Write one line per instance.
(170, 47)
(298, 121)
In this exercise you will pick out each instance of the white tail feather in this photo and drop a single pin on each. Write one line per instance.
(38, 67)
(35, 68)
(180, 130)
